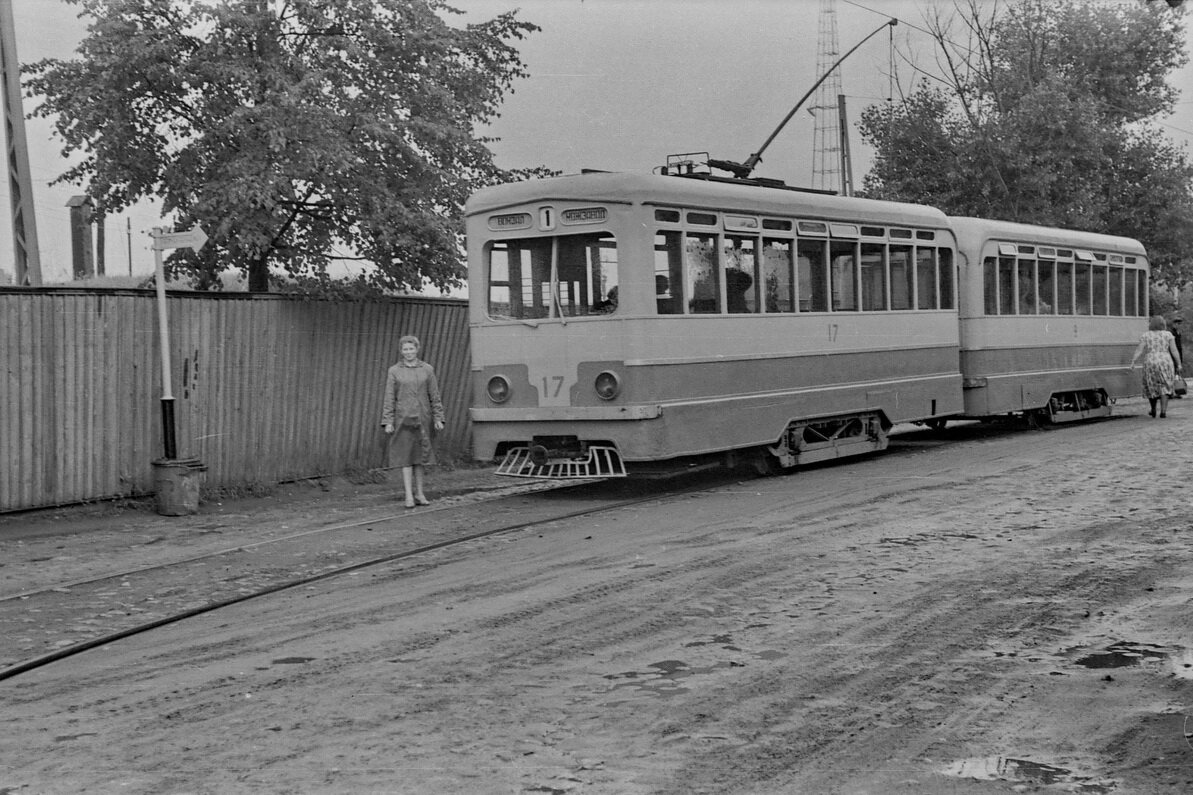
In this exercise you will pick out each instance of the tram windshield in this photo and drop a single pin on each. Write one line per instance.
(545, 277)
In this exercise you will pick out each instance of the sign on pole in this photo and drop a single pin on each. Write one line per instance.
(163, 240)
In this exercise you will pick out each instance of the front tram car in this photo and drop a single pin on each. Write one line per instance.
(1049, 319)
(634, 321)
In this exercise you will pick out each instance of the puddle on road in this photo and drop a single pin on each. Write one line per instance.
(1127, 654)
(292, 660)
(665, 680)
(1024, 771)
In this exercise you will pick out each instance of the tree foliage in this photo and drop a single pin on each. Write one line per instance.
(294, 132)
(1045, 111)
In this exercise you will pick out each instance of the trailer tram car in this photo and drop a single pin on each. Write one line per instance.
(1049, 319)
(623, 322)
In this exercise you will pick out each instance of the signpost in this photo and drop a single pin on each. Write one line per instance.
(164, 240)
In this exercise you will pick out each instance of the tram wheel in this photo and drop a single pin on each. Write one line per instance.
(936, 423)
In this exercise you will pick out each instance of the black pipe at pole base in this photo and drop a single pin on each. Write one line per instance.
(168, 437)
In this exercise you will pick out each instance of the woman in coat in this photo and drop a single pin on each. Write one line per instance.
(412, 408)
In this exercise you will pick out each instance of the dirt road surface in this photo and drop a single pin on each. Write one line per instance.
(1002, 613)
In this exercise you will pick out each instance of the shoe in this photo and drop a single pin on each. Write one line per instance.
(1163, 415)
(409, 503)
(422, 500)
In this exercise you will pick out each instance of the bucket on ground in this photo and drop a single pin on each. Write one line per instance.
(178, 481)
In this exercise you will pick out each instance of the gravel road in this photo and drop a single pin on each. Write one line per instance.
(1004, 612)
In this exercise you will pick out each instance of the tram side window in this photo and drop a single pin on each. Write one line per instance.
(1047, 286)
(903, 276)
(587, 273)
(990, 286)
(1006, 286)
(1131, 293)
(777, 283)
(813, 276)
(1064, 288)
(1027, 286)
(1100, 280)
(668, 273)
(924, 278)
(741, 274)
(1116, 291)
(1082, 287)
(944, 263)
(843, 275)
(702, 279)
(873, 281)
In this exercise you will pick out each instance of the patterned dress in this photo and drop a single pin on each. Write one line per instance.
(1158, 370)
(412, 406)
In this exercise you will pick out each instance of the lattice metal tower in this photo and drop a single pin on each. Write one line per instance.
(826, 135)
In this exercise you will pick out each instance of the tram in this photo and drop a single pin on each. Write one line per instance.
(626, 323)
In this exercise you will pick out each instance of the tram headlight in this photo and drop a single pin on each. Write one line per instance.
(607, 385)
(499, 389)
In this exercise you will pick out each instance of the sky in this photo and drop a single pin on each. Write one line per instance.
(614, 85)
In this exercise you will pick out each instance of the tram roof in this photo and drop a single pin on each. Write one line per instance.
(974, 230)
(623, 187)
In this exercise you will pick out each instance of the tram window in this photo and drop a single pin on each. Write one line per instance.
(813, 278)
(741, 274)
(520, 276)
(704, 219)
(1006, 286)
(1064, 288)
(1116, 291)
(1131, 292)
(669, 216)
(903, 278)
(518, 272)
(925, 277)
(1047, 286)
(1100, 284)
(587, 274)
(843, 275)
(990, 286)
(944, 267)
(873, 277)
(777, 283)
(776, 223)
(668, 273)
(702, 279)
(1027, 286)
(1081, 285)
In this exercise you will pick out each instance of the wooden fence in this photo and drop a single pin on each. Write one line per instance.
(267, 388)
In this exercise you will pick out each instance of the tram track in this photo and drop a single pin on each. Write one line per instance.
(67, 619)
(58, 621)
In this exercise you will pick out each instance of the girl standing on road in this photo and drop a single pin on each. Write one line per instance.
(412, 407)
(1159, 352)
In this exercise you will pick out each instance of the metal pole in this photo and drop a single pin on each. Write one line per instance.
(168, 438)
(754, 159)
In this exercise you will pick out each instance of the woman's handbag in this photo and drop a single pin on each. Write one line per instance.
(1179, 387)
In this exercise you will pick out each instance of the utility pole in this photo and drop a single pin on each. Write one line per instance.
(20, 184)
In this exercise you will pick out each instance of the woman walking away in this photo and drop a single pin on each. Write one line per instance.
(1158, 349)
(412, 407)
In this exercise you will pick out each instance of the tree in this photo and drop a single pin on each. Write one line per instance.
(294, 131)
(1043, 111)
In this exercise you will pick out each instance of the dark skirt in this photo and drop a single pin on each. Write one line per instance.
(409, 448)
